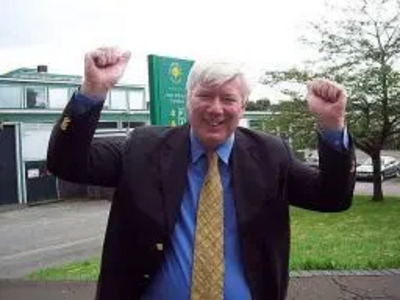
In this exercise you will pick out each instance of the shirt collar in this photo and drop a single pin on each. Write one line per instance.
(223, 151)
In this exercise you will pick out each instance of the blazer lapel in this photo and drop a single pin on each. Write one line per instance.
(254, 179)
(174, 159)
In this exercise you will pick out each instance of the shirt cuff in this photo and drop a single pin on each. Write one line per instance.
(82, 104)
(336, 139)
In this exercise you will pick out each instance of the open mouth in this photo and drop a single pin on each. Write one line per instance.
(214, 123)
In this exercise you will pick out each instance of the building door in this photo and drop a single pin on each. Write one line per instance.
(40, 184)
(8, 166)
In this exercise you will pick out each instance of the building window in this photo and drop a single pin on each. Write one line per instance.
(10, 96)
(118, 99)
(133, 124)
(35, 140)
(36, 97)
(107, 125)
(58, 97)
(136, 100)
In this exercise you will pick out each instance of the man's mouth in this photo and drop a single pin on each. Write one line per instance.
(215, 123)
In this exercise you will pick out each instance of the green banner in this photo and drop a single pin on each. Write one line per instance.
(167, 83)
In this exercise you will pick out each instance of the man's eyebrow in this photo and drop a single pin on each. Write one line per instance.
(230, 94)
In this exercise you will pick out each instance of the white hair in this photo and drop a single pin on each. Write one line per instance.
(216, 74)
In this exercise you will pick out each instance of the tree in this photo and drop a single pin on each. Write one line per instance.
(291, 121)
(360, 49)
(259, 105)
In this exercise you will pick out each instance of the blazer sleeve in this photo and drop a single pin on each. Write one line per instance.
(329, 189)
(74, 155)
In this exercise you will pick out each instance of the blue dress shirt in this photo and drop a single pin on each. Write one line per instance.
(173, 280)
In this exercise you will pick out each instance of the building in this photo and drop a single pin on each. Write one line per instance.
(31, 100)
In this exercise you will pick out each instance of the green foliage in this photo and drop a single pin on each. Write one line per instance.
(291, 120)
(360, 49)
(259, 105)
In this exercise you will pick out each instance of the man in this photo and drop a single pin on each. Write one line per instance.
(200, 211)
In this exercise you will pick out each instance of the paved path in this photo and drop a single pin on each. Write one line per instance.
(49, 235)
(304, 288)
(345, 288)
(390, 187)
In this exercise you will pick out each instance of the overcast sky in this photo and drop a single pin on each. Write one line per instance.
(260, 34)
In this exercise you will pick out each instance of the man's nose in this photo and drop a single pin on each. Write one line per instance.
(216, 105)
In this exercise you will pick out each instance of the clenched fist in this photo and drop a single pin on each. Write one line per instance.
(327, 101)
(103, 68)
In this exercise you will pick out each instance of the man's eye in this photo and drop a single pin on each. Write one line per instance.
(230, 99)
(204, 96)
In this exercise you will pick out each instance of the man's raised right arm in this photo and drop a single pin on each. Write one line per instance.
(73, 154)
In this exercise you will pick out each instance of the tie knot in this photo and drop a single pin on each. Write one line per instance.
(212, 169)
(212, 158)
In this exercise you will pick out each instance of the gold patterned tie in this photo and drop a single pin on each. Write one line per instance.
(208, 259)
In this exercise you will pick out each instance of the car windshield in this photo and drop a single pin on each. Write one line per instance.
(368, 162)
(384, 161)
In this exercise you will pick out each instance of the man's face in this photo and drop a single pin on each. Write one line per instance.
(214, 111)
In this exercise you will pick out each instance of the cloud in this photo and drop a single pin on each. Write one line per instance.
(59, 32)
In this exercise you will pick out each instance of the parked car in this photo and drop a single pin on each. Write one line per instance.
(390, 167)
(312, 159)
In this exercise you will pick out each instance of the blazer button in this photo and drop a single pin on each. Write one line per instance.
(146, 276)
(65, 123)
(160, 246)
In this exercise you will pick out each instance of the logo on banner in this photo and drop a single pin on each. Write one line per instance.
(175, 72)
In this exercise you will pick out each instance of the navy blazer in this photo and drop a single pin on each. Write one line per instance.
(149, 172)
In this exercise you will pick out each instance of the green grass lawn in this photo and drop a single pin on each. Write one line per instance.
(86, 270)
(365, 237)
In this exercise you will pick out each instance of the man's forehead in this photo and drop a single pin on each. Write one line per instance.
(232, 85)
